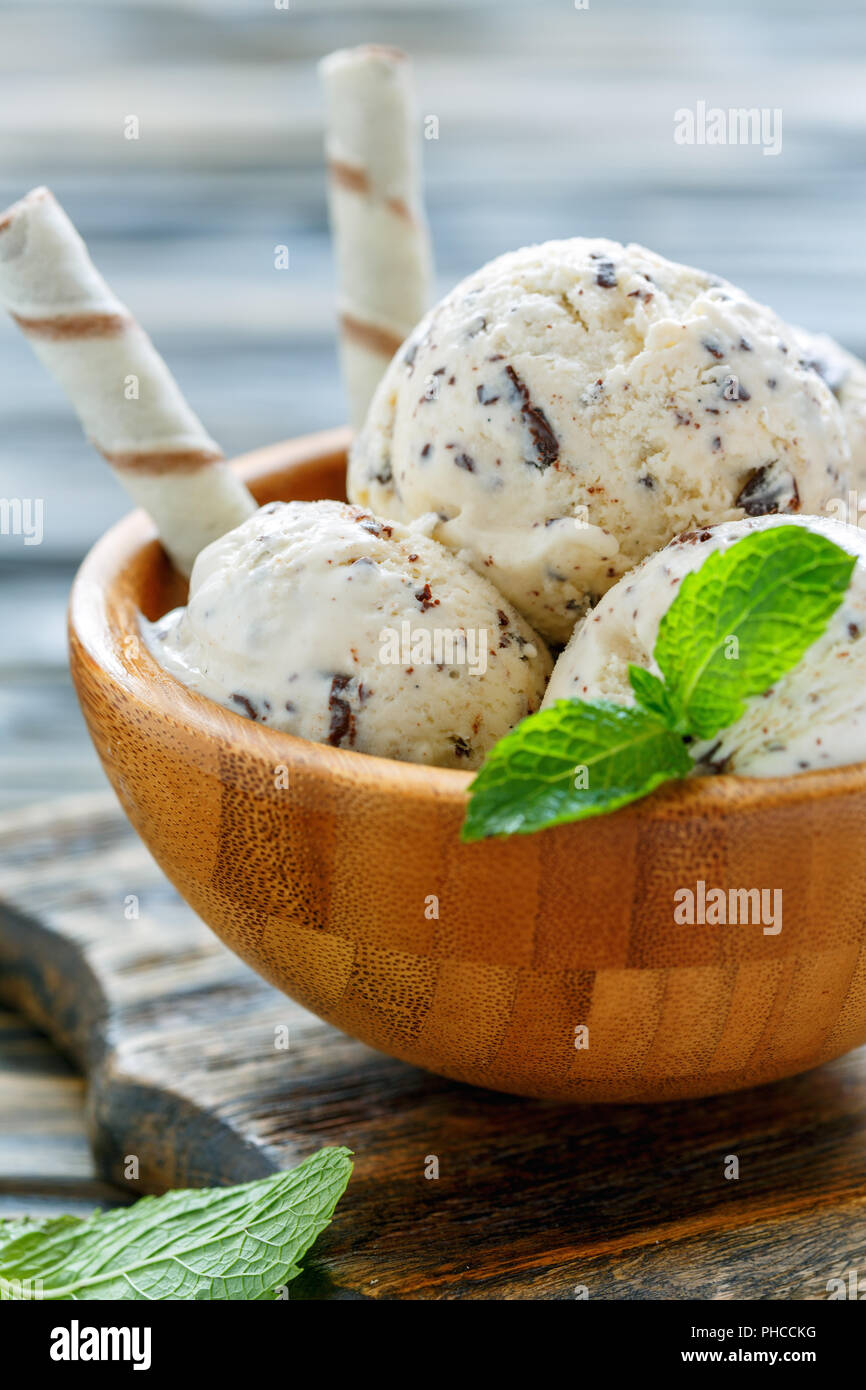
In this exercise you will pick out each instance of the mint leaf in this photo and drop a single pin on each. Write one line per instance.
(737, 624)
(651, 694)
(745, 618)
(574, 760)
(13, 1228)
(224, 1243)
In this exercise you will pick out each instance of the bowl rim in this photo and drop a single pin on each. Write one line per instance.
(94, 599)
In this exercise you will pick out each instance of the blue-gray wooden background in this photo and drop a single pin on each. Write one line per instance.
(553, 120)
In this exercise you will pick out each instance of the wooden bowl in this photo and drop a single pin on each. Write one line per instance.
(352, 892)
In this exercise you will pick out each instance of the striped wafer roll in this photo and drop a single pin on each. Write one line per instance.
(124, 395)
(380, 233)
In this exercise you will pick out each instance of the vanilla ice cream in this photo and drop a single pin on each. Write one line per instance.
(815, 716)
(318, 619)
(845, 375)
(572, 406)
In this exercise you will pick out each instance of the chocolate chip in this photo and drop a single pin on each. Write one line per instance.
(712, 764)
(483, 396)
(425, 598)
(767, 490)
(606, 275)
(385, 474)
(544, 441)
(462, 748)
(342, 719)
(246, 705)
(375, 528)
(835, 379)
(692, 538)
(466, 462)
(713, 347)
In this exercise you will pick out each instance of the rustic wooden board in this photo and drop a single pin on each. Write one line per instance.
(532, 1200)
(46, 1163)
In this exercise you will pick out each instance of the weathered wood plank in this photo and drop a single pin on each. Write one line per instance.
(46, 1163)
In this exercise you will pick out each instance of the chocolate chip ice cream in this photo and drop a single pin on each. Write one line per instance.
(570, 407)
(318, 619)
(812, 717)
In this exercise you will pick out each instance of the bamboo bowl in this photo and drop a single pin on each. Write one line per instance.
(352, 892)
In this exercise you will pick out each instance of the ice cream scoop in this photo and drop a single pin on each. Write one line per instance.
(572, 406)
(845, 375)
(815, 716)
(318, 619)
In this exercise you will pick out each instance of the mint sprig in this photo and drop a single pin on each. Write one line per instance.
(568, 762)
(737, 624)
(224, 1243)
(745, 618)
(651, 694)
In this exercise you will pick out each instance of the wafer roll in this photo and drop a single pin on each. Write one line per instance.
(125, 397)
(377, 216)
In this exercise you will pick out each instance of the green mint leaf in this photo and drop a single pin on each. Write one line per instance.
(741, 621)
(13, 1228)
(745, 618)
(223, 1243)
(651, 694)
(574, 760)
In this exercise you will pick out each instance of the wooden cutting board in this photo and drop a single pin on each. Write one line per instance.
(189, 1072)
